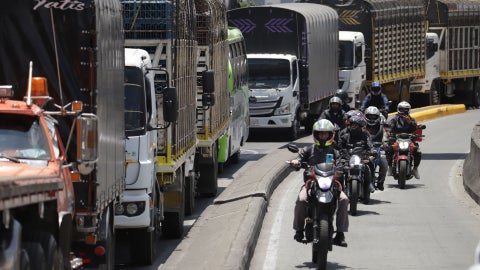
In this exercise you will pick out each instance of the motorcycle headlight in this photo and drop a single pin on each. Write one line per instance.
(354, 161)
(403, 145)
(324, 197)
(324, 183)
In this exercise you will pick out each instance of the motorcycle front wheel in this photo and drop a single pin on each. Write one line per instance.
(354, 197)
(320, 250)
(402, 173)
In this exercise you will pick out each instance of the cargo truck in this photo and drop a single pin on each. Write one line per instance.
(453, 65)
(168, 34)
(139, 215)
(213, 105)
(55, 200)
(292, 62)
(394, 33)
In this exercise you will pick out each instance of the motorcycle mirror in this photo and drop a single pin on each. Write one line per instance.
(423, 127)
(292, 148)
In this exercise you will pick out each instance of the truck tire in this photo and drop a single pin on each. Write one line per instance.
(24, 260)
(53, 257)
(36, 255)
(144, 246)
(172, 225)
(208, 180)
(435, 94)
(476, 94)
(294, 130)
(189, 194)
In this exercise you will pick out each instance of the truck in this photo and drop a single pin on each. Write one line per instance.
(63, 161)
(452, 65)
(394, 38)
(213, 101)
(139, 215)
(292, 63)
(171, 45)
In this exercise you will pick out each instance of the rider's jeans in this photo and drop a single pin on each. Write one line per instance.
(301, 211)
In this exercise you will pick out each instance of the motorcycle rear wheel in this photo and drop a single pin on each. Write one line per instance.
(320, 250)
(402, 173)
(354, 197)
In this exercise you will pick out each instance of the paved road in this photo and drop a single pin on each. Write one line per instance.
(431, 224)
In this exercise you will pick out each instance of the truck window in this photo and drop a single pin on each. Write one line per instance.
(268, 73)
(345, 55)
(431, 48)
(135, 107)
(358, 54)
(22, 136)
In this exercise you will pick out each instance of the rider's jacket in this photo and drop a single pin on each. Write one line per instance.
(348, 137)
(379, 101)
(314, 155)
(376, 132)
(334, 117)
(398, 125)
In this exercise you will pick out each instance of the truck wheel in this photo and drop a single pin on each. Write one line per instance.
(434, 97)
(24, 260)
(476, 94)
(53, 257)
(294, 130)
(36, 255)
(144, 246)
(208, 182)
(235, 158)
(189, 194)
(172, 225)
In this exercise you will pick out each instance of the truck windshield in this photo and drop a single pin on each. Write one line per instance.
(135, 119)
(268, 73)
(23, 137)
(345, 56)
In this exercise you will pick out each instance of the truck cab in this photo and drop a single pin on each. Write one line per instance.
(274, 91)
(425, 84)
(351, 65)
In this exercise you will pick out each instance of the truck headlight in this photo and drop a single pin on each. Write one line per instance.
(284, 109)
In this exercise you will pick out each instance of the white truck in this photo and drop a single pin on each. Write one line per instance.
(140, 213)
(352, 68)
(292, 61)
(453, 69)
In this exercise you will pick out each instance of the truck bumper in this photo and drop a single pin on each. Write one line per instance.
(138, 220)
(280, 121)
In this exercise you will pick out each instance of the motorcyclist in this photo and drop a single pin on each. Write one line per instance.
(334, 113)
(376, 98)
(323, 137)
(344, 97)
(355, 134)
(376, 129)
(402, 122)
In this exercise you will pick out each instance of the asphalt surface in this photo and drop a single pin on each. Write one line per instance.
(225, 235)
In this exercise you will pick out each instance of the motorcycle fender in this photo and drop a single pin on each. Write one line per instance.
(403, 157)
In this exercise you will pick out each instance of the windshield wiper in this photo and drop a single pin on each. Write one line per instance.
(2, 155)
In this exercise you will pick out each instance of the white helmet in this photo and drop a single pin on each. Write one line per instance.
(403, 108)
(323, 125)
(372, 115)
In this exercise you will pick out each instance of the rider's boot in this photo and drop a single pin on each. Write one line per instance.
(298, 236)
(339, 240)
(380, 181)
(415, 173)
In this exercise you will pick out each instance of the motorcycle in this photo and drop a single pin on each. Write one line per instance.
(323, 191)
(403, 159)
(357, 176)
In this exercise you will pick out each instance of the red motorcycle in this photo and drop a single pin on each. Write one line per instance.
(403, 158)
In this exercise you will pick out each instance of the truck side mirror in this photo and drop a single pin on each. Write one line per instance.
(87, 142)
(208, 81)
(170, 104)
(368, 54)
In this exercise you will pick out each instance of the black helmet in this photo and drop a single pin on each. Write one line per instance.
(342, 95)
(356, 123)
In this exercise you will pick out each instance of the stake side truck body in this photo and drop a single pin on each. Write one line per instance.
(453, 54)
(166, 31)
(394, 33)
(292, 61)
(77, 47)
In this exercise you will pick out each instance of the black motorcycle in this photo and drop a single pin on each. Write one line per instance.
(357, 175)
(322, 192)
